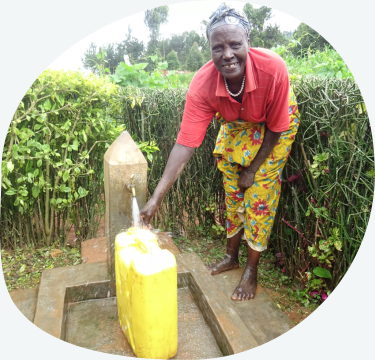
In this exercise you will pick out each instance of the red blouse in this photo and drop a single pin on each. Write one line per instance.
(265, 98)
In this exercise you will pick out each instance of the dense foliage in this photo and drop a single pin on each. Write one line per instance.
(326, 64)
(262, 35)
(136, 75)
(309, 40)
(51, 178)
(326, 202)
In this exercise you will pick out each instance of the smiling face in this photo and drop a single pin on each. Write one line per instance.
(229, 48)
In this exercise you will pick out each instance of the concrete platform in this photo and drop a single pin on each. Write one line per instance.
(62, 288)
(25, 300)
(103, 333)
(94, 250)
(261, 315)
(210, 323)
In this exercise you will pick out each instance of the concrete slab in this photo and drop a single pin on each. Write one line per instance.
(103, 332)
(25, 300)
(166, 242)
(69, 296)
(230, 332)
(62, 288)
(94, 250)
(261, 315)
(50, 308)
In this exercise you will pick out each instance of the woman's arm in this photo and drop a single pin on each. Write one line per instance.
(247, 175)
(178, 158)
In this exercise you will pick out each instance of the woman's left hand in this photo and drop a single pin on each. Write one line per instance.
(246, 179)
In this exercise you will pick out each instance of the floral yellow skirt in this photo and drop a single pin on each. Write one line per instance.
(237, 144)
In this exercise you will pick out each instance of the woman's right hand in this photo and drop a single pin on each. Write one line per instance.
(148, 211)
(177, 161)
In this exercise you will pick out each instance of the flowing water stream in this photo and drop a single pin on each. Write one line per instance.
(136, 218)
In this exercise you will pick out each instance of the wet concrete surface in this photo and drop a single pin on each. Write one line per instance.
(62, 287)
(50, 308)
(165, 242)
(77, 304)
(230, 332)
(103, 333)
(261, 315)
(195, 339)
(25, 300)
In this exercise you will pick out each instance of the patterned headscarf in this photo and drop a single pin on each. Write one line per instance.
(227, 15)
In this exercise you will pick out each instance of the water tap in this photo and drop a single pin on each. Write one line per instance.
(131, 185)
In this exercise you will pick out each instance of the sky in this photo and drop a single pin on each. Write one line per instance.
(182, 17)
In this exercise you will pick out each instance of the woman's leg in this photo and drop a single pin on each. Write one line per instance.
(230, 260)
(249, 280)
(233, 199)
(261, 201)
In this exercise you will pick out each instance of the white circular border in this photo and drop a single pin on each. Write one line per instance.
(34, 33)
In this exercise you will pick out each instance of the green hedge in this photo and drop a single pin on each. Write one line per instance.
(52, 167)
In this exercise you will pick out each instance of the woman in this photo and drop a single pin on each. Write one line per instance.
(248, 92)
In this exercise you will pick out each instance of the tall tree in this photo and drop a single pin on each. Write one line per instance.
(114, 53)
(177, 43)
(262, 35)
(111, 58)
(257, 17)
(309, 39)
(131, 46)
(97, 60)
(153, 19)
(191, 37)
(182, 43)
(172, 60)
(195, 59)
(89, 58)
(288, 34)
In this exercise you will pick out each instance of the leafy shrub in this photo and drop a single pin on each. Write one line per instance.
(51, 175)
(172, 60)
(136, 76)
(326, 64)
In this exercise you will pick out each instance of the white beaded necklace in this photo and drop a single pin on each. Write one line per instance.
(242, 87)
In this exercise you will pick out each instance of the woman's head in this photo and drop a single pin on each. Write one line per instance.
(227, 15)
(228, 36)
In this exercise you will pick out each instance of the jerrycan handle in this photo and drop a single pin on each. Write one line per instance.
(147, 246)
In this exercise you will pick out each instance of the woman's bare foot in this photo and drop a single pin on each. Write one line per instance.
(248, 284)
(230, 260)
(228, 263)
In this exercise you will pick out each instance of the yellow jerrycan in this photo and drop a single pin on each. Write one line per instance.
(146, 287)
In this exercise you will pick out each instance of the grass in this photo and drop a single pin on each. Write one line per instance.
(22, 268)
